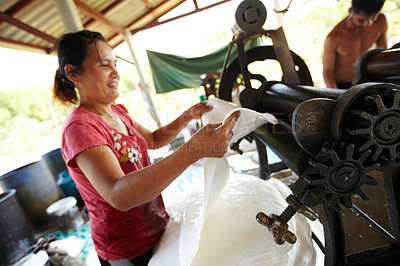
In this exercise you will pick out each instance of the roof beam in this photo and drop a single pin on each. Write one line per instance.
(19, 24)
(98, 16)
(142, 16)
(18, 7)
(47, 50)
(8, 16)
(104, 11)
(155, 22)
(149, 6)
(196, 6)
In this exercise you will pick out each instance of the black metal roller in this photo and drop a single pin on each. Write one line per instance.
(250, 16)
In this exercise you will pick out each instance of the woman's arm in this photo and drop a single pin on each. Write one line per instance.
(166, 134)
(124, 192)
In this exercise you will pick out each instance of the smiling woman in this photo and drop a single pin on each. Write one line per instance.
(106, 152)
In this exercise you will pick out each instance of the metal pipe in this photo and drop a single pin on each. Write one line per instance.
(262, 100)
(280, 98)
(278, 103)
(303, 93)
(384, 65)
(378, 65)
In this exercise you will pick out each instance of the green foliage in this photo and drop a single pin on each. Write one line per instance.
(30, 102)
(5, 114)
(127, 81)
(392, 11)
(26, 127)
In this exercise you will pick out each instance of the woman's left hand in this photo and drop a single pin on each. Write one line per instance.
(197, 110)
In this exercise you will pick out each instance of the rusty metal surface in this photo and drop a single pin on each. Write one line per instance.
(378, 65)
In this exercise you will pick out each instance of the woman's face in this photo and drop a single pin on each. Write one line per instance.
(99, 79)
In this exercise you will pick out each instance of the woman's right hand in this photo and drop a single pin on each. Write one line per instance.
(213, 139)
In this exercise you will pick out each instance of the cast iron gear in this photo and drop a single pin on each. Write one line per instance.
(334, 180)
(383, 129)
(368, 115)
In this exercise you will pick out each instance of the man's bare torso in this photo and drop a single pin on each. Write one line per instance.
(353, 43)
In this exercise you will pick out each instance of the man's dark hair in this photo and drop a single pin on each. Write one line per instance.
(368, 7)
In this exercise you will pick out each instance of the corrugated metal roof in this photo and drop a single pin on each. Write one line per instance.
(35, 25)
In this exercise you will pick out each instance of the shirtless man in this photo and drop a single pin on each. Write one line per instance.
(352, 37)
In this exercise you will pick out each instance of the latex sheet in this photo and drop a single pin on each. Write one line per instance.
(206, 226)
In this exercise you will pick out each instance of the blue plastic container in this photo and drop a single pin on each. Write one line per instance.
(36, 190)
(55, 162)
(16, 232)
(68, 186)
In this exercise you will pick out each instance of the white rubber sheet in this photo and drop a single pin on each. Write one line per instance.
(214, 223)
(216, 170)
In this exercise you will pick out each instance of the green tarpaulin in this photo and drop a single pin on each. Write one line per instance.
(173, 72)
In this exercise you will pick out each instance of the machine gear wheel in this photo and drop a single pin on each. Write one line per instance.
(334, 180)
(368, 115)
(383, 130)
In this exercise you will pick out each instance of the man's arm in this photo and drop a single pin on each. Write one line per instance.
(328, 60)
(381, 42)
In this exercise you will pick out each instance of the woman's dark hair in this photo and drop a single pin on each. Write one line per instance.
(368, 7)
(72, 48)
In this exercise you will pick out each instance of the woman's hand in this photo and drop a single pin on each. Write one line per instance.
(166, 134)
(197, 110)
(213, 139)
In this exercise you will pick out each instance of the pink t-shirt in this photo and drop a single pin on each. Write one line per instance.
(116, 234)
